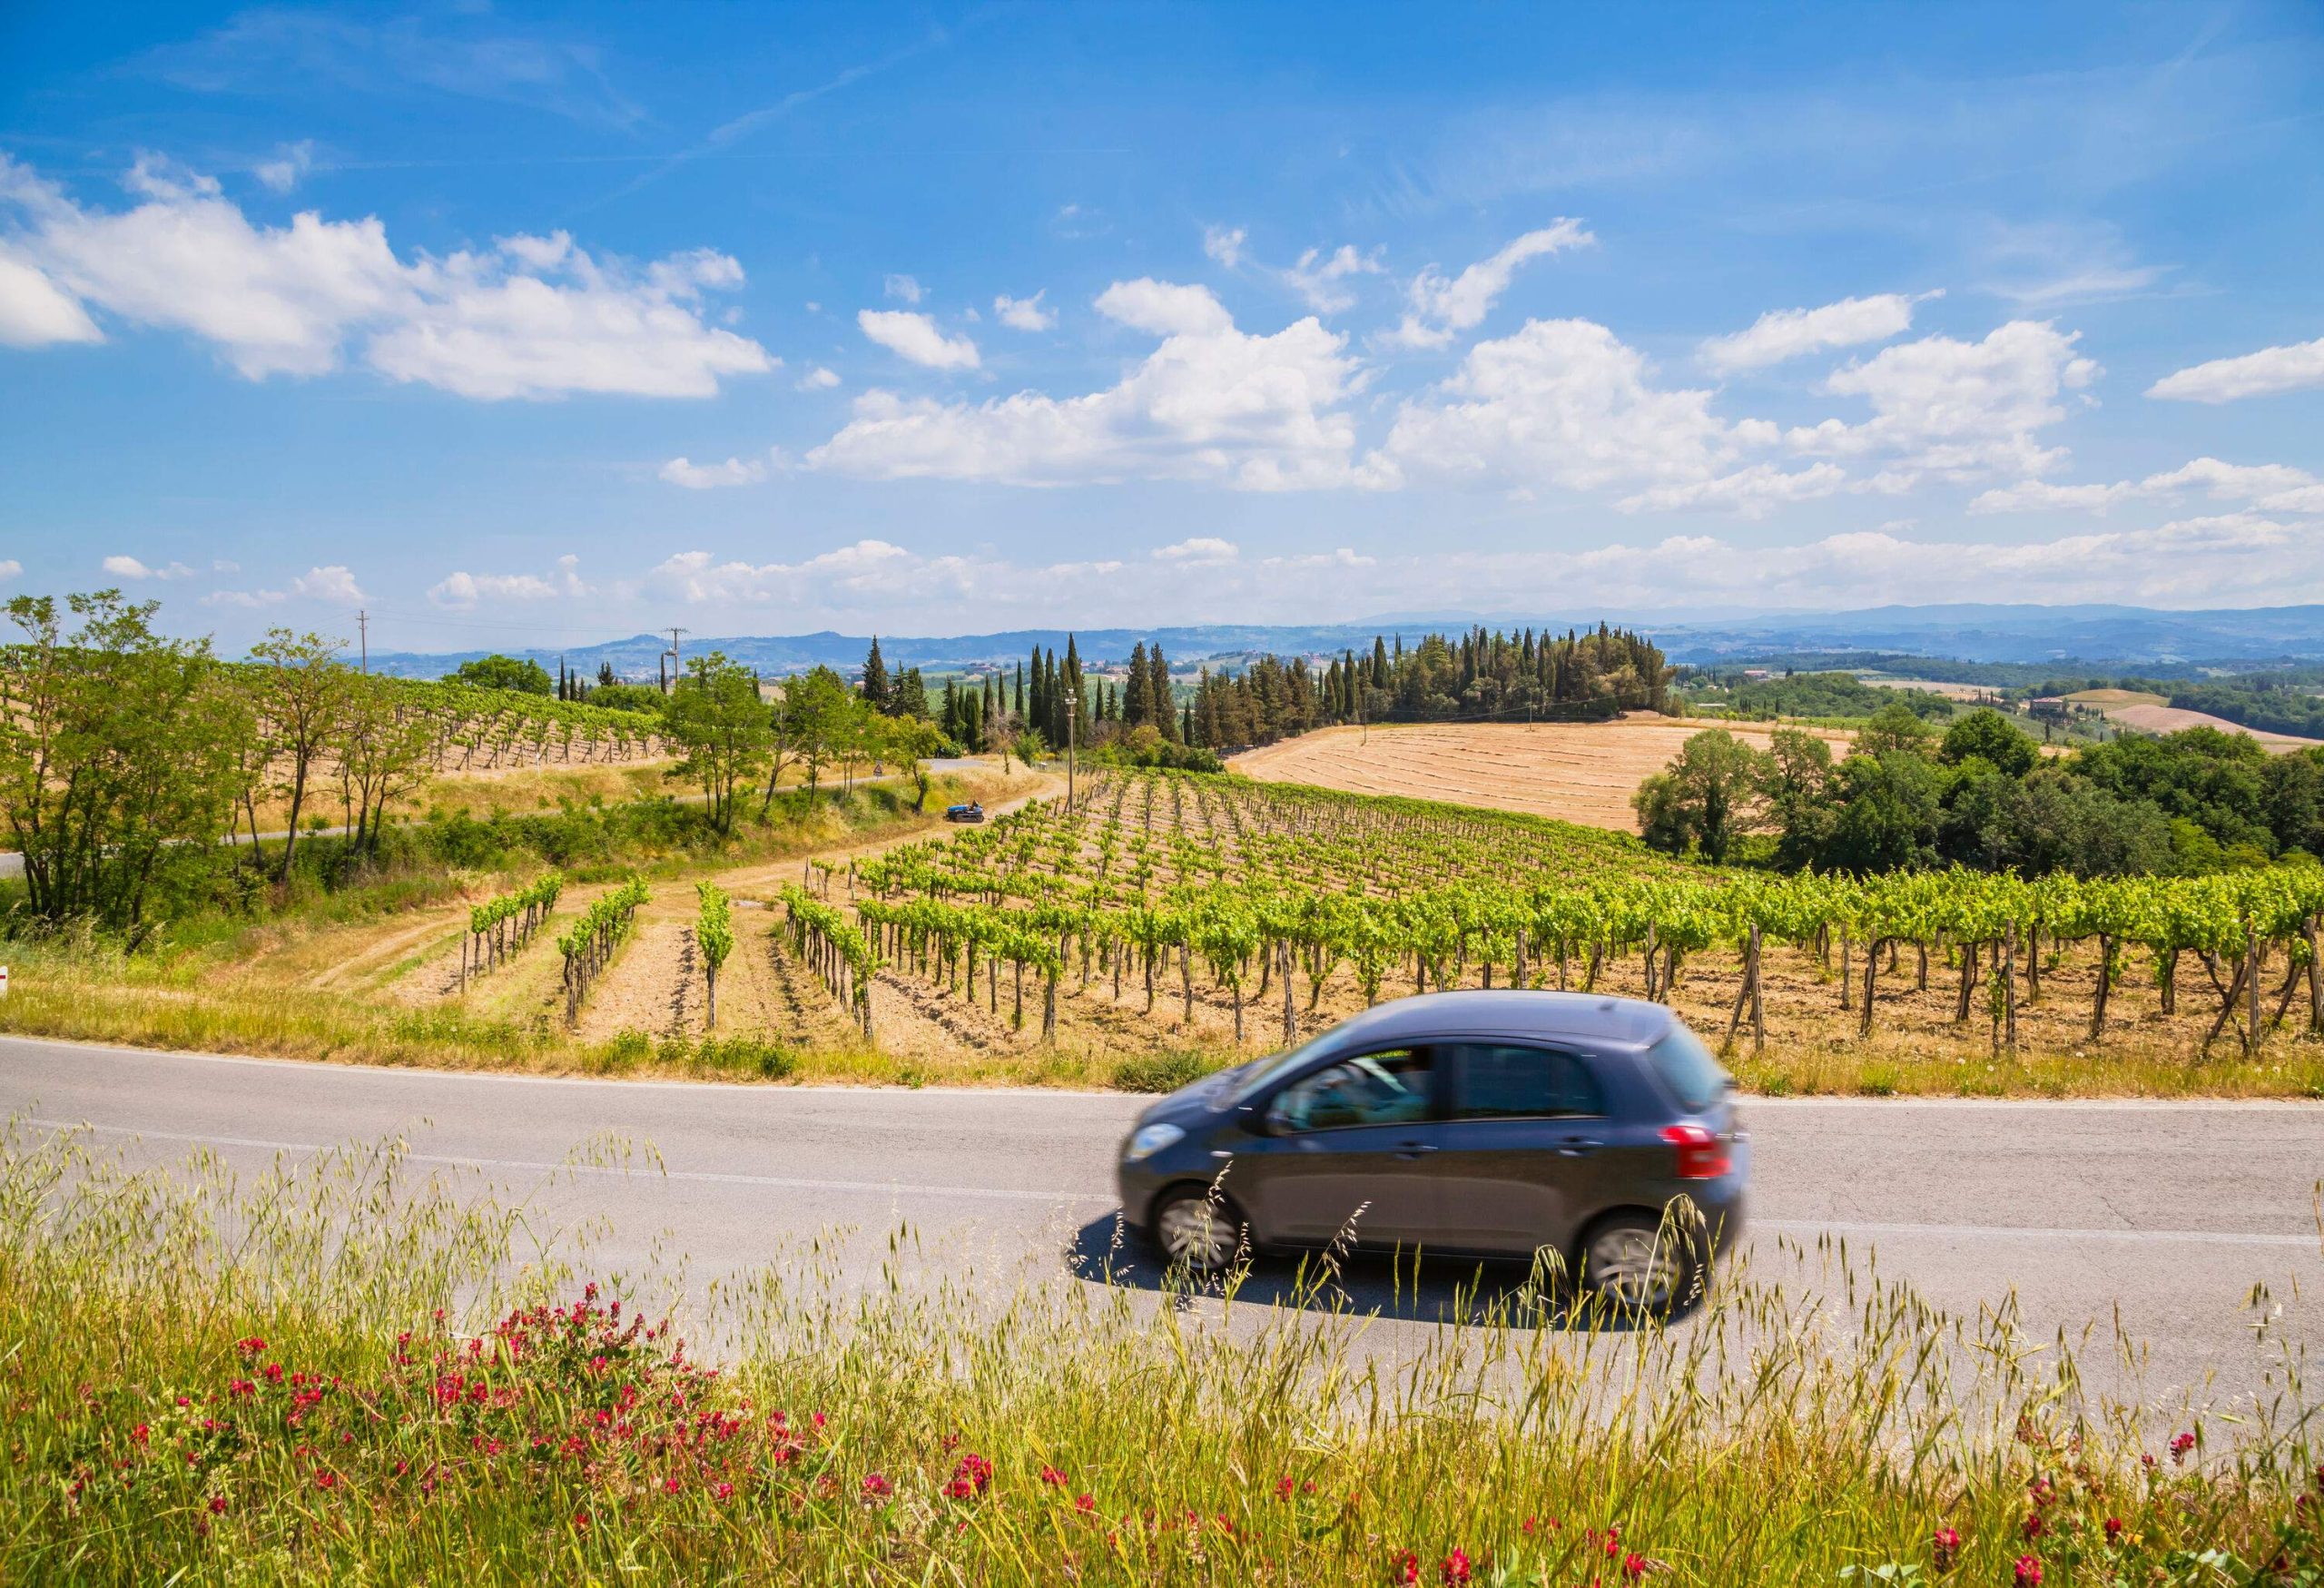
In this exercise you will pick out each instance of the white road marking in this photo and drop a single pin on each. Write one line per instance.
(1798, 1226)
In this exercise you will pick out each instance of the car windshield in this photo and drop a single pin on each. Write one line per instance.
(1688, 1068)
(1261, 1072)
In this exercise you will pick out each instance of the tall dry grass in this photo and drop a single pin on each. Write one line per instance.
(340, 1371)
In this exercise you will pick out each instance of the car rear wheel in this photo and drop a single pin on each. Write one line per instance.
(1642, 1267)
(1199, 1232)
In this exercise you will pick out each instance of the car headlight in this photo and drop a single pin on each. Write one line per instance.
(1151, 1139)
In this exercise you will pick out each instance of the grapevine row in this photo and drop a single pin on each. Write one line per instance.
(501, 926)
(588, 947)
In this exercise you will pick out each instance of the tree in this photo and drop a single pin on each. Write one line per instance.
(817, 707)
(605, 674)
(875, 680)
(1798, 791)
(383, 755)
(120, 756)
(1706, 797)
(721, 728)
(1892, 728)
(911, 698)
(499, 671)
(1989, 736)
(912, 740)
(1887, 808)
(300, 691)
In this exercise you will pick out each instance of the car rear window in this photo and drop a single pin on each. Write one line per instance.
(1502, 1081)
(1688, 1068)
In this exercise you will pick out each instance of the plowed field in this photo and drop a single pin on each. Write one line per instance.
(1576, 772)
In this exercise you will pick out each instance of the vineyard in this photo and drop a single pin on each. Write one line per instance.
(488, 730)
(1170, 914)
(1278, 906)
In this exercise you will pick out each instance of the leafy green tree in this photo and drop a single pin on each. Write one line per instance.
(1797, 789)
(1707, 798)
(1987, 735)
(383, 755)
(642, 698)
(1892, 728)
(300, 691)
(819, 709)
(1886, 812)
(499, 672)
(910, 698)
(120, 757)
(720, 727)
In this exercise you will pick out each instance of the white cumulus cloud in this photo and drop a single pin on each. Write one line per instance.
(291, 163)
(821, 378)
(1210, 403)
(1224, 244)
(1024, 313)
(1958, 408)
(2261, 374)
(1322, 279)
(1442, 305)
(327, 583)
(905, 288)
(710, 476)
(130, 567)
(2275, 487)
(1201, 550)
(1787, 333)
(915, 337)
(35, 311)
(531, 317)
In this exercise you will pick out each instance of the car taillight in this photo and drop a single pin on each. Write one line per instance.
(1702, 1156)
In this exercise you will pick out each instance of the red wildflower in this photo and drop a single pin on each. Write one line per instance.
(326, 1479)
(2180, 1446)
(580, 1522)
(2028, 1573)
(1283, 1488)
(971, 1475)
(140, 1433)
(876, 1488)
(2113, 1528)
(217, 1504)
(250, 1345)
(1633, 1567)
(1405, 1567)
(1085, 1504)
(1944, 1548)
(1051, 1477)
(1456, 1567)
(722, 1491)
(2032, 1526)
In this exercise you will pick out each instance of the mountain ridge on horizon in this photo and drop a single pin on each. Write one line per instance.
(2090, 633)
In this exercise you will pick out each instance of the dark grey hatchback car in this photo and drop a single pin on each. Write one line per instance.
(1483, 1124)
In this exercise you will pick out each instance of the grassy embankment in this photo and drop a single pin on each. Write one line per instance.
(338, 1374)
(299, 975)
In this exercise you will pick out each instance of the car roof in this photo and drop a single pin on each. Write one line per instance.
(1594, 1016)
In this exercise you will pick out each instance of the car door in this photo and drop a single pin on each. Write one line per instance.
(1351, 1139)
(1524, 1124)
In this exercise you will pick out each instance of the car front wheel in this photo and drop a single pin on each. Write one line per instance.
(1199, 1232)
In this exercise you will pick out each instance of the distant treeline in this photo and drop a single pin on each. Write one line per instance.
(1808, 695)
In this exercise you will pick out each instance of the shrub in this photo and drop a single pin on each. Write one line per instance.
(1165, 1071)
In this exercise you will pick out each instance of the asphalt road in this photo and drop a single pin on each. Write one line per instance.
(2169, 1213)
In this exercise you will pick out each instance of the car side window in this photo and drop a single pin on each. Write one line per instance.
(1387, 1087)
(1512, 1082)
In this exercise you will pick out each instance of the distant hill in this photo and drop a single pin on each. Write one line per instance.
(2096, 635)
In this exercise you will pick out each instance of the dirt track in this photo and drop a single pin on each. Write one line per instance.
(1576, 772)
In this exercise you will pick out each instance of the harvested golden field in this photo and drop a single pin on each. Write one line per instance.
(1575, 772)
(2171, 719)
(1969, 692)
(2111, 700)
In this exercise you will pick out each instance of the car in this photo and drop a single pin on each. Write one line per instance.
(1493, 1125)
(972, 812)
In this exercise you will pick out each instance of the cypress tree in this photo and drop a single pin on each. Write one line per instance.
(1135, 697)
(1021, 689)
(876, 678)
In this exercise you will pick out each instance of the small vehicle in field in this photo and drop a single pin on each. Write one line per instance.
(1503, 1125)
(972, 812)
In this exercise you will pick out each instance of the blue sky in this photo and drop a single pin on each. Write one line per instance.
(540, 324)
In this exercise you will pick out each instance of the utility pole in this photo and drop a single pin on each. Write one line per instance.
(1072, 709)
(671, 655)
(363, 625)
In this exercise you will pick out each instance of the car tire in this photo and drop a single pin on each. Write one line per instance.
(1197, 1230)
(1640, 1267)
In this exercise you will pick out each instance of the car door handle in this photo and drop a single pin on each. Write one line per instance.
(1411, 1149)
(1578, 1146)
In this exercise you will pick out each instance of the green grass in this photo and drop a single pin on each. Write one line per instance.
(341, 1372)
